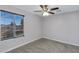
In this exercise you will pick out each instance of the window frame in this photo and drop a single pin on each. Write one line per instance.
(14, 27)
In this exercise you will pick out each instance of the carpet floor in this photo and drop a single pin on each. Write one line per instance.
(46, 46)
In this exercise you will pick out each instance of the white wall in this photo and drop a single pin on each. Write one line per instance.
(63, 27)
(32, 30)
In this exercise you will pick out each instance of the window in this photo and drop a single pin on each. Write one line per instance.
(11, 25)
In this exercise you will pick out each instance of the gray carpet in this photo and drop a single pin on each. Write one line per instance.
(46, 46)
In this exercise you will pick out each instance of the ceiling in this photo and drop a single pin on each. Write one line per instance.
(62, 8)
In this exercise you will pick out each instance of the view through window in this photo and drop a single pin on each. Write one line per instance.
(11, 25)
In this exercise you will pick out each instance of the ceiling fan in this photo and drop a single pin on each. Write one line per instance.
(45, 11)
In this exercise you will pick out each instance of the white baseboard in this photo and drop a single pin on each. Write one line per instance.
(19, 46)
(37, 39)
(74, 44)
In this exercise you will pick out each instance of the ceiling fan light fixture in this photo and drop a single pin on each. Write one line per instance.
(45, 14)
(46, 11)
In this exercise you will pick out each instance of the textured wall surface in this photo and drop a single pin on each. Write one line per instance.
(63, 27)
(32, 29)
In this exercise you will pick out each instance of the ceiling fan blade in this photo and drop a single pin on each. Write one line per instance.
(54, 8)
(41, 6)
(51, 12)
(38, 11)
(46, 6)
